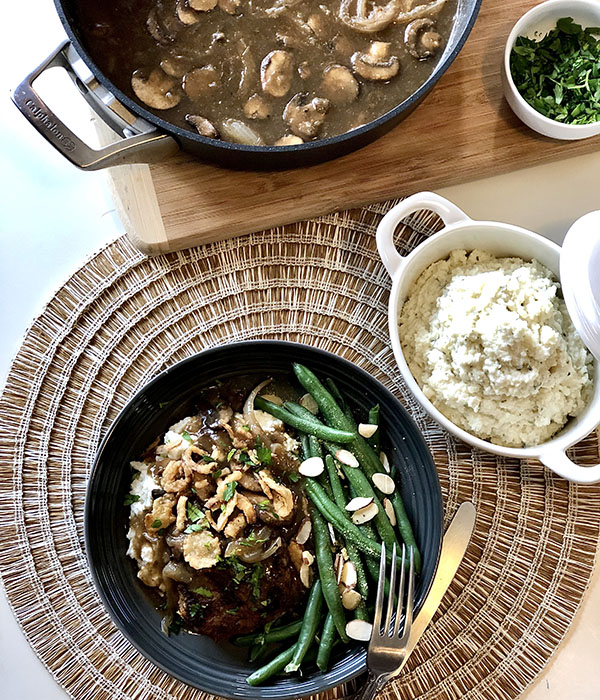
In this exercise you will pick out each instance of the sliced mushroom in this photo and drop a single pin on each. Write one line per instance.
(421, 39)
(305, 116)
(186, 14)
(379, 17)
(376, 64)
(257, 108)
(229, 6)
(339, 85)
(163, 27)
(175, 65)
(158, 90)
(202, 5)
(200, 81)
(276, 71)
(318, 25)
(288, 140)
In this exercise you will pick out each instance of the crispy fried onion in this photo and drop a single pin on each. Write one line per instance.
(376, 20)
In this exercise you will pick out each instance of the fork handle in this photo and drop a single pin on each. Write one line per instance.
(372, 686)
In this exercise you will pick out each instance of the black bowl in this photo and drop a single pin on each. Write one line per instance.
(198, 661)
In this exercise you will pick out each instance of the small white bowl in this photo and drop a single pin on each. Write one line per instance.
(535, 24)
(503, 240)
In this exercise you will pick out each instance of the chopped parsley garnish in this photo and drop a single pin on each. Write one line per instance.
(175, 626)
(194, 513)
(257, 574)
(217, 474)
(204, 592)
(156, 524)
(246, 428)
(293, 476)
(229, 491)
(207, 458)
(230, 454)
(263, 453)
(163, 404)
(195, 608)
(195, 527)
(130, 498)
(252, 539)
(244, 457)
(186, 436)
(239, 570)
(264, 505)
(559, 75)
(232, 611)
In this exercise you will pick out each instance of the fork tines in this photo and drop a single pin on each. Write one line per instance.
(386, 631)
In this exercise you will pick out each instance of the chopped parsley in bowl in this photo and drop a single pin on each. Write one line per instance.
(559, 74)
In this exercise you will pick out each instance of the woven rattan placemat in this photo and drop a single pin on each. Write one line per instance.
(122, 318)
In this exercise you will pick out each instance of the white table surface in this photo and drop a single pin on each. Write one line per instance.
(54, 217)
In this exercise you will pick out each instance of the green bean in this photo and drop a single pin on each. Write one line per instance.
(305, 444)
(315, 447)
(327, 638)
(339, 498)
(273, 667)
(326, 573)
(302, 412)
(368, 459)
(363, 487)
(332, 513)
(336, 393)
(373, 441)
(310, 624)
(312, 428)
(273, 635)
(259, 652)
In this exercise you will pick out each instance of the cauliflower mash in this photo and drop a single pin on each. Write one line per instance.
(493, 348)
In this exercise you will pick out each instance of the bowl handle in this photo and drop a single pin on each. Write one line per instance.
(558, 461)
(143, 143)
(448, 212)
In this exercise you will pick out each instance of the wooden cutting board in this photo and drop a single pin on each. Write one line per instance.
(463, 131)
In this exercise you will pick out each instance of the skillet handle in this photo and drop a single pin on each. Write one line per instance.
(142, 143)
(448, 212)
(558, 462)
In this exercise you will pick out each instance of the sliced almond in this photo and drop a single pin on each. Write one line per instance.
(339, 567)
(346, 457)
(365, 514)
(304, 532)
(359, 630)
(306, 575)
(332, 536)
(273, 399)
(385, 461)
(313, 466)
(349, 575)
(307, 558)
(359, 502)
(309, 404)
(367, 430)
(351, 599)
(384, 483)
(389, 511)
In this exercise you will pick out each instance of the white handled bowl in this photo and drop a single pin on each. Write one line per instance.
(503, 240)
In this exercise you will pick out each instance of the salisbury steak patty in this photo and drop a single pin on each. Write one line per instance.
(235, 599)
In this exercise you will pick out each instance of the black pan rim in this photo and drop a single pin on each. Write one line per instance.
(332, 141)
(294, 690)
